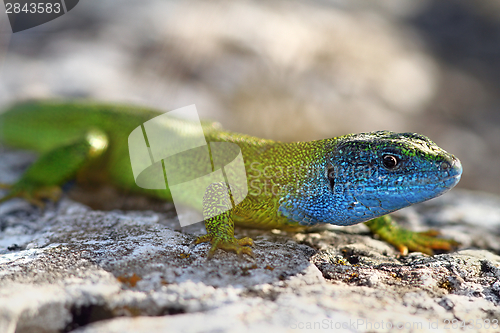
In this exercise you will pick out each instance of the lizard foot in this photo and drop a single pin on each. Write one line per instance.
(34, 196)
(228, 244)
(425, 242)
(406, 240)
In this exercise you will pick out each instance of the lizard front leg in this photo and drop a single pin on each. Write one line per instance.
(217, 209)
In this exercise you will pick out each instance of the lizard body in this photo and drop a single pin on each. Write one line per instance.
(345, 180)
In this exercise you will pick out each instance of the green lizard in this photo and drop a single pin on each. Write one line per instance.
(343, 181)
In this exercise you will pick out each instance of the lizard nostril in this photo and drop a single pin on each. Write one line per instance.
(452, 166)
(445, 166)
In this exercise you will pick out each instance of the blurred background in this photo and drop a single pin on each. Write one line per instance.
(285, 70)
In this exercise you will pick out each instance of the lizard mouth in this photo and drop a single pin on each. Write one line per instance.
(449, 174)
(451, 181)
(435, 184)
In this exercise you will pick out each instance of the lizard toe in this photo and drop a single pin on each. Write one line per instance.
(424, 242)
(247, 241)
(203, 239)
(228, 244)
(245, 250)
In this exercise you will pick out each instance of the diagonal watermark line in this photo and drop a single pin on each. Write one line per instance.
(63, 2)
(147, 144)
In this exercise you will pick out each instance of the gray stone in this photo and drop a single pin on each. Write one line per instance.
(323, 68)
(72, 268)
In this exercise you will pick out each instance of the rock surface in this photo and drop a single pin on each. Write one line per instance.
(70, 268)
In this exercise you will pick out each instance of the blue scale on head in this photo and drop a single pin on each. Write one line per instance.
(371, 174)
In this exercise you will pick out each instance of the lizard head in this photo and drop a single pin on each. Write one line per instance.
(372, 174)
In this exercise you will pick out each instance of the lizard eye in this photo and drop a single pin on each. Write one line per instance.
(390, 162)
